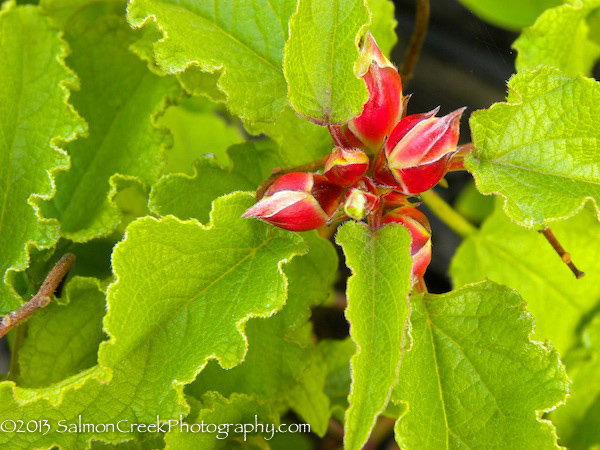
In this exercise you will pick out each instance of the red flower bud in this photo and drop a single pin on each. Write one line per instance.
(297, 202)
(384, 107)
(394, 199)
(420, 232)
(417, 154)
(345, 166)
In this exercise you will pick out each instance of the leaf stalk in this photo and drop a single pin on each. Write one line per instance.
(42, 298)
(564, 255)
(447, 214)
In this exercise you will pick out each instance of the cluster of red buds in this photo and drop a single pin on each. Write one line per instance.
(411, 155)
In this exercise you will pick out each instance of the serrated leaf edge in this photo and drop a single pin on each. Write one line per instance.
(546, 348)
(79, 126)
(472, 160)
(140, 22)
(361, 32)
(358, 349)
(240, 325)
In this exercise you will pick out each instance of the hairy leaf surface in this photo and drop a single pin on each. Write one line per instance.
(35, 120)
(183, 294)
(473, 378)
(320, 57)
(119, 103)
(378, 311)
(244, 38)
(541, 149)
(523, 260)
(560, 38)
(283, 367)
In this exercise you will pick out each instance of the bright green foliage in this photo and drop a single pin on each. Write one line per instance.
(378, 311)
(219, 259)
(511, 14)
(173, 278)
(300, 141)
(119, 105)
(473, 378)
(578, 421)
(200, 83)
(473, 205)
(190, 197)
(540, 149)
(283, 367)
(63, 340)
(237, 410)
(383, 24)
(525, 261)
(560, 38)
(197, 133)
(320, 58)
(244, 37)
(34, 92)
(336, 355)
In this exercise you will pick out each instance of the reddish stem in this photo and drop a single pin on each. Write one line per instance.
(564, 255)
(458, 159)
(42, 298)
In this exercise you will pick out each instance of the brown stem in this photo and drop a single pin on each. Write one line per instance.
(564, 255)
(458, 159)
(411, 56)
(277, 172)
(42, 298)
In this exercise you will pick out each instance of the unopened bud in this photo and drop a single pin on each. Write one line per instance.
(417, 154)
(420, 232)
(297, 202)
(383, 109)
(345, 166)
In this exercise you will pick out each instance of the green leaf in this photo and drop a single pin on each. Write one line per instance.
(191, 197)
(232, 417)
(559, 38)
(474, 206)
(473, 378)
(320, 57)
(337, 356)
(540, 150)
(183, 294)
(63, 340)
(283, 367)
(578, 421)
(35, 120)
(525, 261)
(378, 311)
(235, 267)
(120, 104)
(511, 14)
(300, 141)
(196, 134)
(383, 24)
(245, 38)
